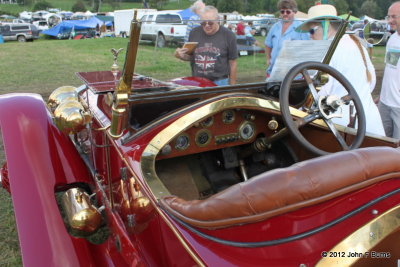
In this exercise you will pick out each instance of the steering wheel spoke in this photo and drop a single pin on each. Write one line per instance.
(337, 135)
(300, 122)
(310, 84)
(324, 107)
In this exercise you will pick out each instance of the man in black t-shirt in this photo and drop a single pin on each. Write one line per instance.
(215, 55)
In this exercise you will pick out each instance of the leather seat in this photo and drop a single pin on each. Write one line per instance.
(282, 190)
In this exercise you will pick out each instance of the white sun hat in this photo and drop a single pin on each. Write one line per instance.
(318, 13)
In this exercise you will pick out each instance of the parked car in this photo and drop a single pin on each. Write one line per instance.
(42, 25)
(20, 32)
(136, 171)
(162, 27)
(263, 26)
(246, 47)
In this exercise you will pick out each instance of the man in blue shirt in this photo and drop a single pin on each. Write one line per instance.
(283, 30)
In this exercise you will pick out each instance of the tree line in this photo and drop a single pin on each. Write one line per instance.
(373, 8)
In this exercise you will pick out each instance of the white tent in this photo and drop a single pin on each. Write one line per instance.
(25, 15)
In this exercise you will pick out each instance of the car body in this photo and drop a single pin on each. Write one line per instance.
(42, 25)
(20, 32)
(246, 47)
(184, 173)
(263, 26)
(163, 27)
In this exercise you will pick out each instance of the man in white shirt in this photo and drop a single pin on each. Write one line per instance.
(389, 105)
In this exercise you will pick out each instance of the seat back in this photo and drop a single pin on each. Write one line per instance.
(282, 190)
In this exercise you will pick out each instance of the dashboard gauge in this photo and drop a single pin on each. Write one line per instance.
(228, 116)
(207, 122)
(182, 142)
(247, 130)
(203, 137)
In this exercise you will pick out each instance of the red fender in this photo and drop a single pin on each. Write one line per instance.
(194, 81)
(40, 158)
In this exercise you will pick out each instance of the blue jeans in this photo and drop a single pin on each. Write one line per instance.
(222, 82)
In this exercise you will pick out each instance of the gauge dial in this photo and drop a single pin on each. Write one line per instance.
(228, 116)
(182, 142)
(203, 137)
(247, 130)
(207, 122)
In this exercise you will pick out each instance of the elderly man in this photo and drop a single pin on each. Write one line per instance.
(194, 21)
(215, 56)
(389, 105)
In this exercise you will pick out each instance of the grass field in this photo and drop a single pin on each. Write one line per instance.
(44, 65)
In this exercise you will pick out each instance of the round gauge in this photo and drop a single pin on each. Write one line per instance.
(247, 130)
(203, 137)
(182, 142)
(207, 122)
(228, 116)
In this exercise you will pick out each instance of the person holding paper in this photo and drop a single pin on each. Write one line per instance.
(351, 59)
(283, 30)
(216, 52)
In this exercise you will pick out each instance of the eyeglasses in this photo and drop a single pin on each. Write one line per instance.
(286, 11)
(313, 30)
(204, 23)
(392, 17)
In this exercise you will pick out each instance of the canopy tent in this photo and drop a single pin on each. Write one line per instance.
(186, 14)
(352, 18)
(105, 18)
(68, 25)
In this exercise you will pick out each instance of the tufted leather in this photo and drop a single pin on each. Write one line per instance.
(282, 190)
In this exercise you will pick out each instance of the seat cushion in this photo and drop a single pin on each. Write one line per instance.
(282, 190)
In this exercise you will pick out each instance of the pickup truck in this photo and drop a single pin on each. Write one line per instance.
(263, 26)
(163, 27)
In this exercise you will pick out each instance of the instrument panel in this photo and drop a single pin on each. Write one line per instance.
(230, 127)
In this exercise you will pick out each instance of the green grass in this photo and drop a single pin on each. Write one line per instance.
(45, 65)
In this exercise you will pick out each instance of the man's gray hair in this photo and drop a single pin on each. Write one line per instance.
(196, 5)
(211, 9)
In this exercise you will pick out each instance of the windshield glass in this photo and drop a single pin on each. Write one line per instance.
(158, 44)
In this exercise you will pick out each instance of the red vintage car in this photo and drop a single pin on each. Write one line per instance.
(185, 173)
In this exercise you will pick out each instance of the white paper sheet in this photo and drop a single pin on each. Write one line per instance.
(294, 52)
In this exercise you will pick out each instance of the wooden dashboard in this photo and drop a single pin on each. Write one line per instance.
(231, 127)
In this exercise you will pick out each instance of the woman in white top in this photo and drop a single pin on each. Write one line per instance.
(352, 60)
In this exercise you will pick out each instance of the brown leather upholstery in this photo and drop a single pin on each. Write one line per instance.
(283, 190)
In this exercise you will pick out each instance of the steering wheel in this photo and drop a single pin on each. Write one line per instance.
(323, 107)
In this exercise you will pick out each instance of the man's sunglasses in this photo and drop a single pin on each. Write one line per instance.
(313, 30)
(204, 23)
(287, 11)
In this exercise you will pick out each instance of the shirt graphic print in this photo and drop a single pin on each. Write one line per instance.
(206, 57)
(392, 57)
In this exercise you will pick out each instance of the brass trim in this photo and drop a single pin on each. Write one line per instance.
(364, 239)
(209, 135)
(225, 120)
(174, 129)
(149, 192)
(206, 123)
(242, 125)
(81, 215)
(183, 148)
